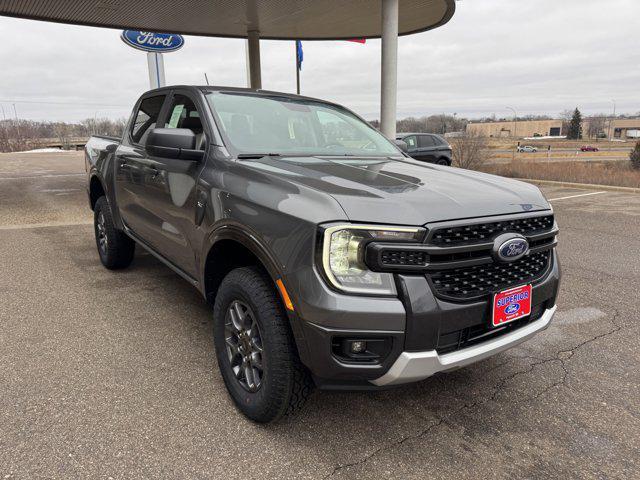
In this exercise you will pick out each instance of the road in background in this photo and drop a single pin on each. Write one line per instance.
(113, 374)
(553, 159)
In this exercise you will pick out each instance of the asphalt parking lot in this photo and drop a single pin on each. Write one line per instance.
(113, 375)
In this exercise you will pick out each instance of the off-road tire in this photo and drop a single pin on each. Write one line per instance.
(118, 250)
(286, 384)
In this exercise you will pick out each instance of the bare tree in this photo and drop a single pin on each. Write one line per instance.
(596, 125)
(469, 150)
(566, 116)
(18, 135)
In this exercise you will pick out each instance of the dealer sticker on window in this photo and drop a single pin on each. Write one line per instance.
(510, 305)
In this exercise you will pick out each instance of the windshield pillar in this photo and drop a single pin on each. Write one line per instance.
(389, 68)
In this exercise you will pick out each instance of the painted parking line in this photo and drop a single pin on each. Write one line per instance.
(44, 176)
(575, 196)
(43, 225)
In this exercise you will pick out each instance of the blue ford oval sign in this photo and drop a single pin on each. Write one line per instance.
(152, 42)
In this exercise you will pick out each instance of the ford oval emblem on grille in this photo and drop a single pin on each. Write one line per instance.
(510, 247)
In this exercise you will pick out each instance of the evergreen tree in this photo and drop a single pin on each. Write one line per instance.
(575, 126)
(634, 156)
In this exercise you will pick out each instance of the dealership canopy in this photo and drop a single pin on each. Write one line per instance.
(254, 19)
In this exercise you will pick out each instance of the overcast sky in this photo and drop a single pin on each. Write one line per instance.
(538, 56)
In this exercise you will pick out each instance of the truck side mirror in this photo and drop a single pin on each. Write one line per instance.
(402, 145)
(178, 143)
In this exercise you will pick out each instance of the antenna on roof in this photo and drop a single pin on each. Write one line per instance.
(206, 78)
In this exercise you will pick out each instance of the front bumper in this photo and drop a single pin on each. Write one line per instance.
(422, 330)
(416, 366)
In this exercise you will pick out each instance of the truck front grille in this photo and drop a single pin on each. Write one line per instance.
(403, 257)
(481, 232)
(459, 261)
(480, 280)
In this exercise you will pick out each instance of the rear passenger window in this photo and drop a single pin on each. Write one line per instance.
(146, 118)
(425, 141)
(411, 142)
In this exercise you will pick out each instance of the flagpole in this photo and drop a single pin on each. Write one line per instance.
(295, 44)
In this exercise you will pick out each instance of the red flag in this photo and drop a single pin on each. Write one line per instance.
(357, 40)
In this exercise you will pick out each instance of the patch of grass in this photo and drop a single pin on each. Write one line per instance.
(600, 173)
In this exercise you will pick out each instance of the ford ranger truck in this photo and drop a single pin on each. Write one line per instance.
(330, 258)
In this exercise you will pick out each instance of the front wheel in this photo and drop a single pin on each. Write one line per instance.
(255, 349)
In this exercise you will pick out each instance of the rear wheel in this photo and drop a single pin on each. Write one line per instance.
(255, 349)
(442, 161)
(114, 247)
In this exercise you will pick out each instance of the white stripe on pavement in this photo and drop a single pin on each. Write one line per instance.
(575, 196)
(45, 176)
(43, 225)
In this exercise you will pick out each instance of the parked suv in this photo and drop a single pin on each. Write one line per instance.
(427, 147)
(328, 256)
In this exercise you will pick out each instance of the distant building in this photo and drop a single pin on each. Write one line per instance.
(551, 128)
(526, 128)
(624, 129)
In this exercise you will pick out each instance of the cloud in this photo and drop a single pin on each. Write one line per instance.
(539, 57)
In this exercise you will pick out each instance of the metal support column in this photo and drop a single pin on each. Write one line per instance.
(155, 62)
(253, 54)
(389, 68)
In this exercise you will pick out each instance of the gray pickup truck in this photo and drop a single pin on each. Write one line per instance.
(329, 256)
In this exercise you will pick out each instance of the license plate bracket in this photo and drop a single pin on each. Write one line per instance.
(510, 305)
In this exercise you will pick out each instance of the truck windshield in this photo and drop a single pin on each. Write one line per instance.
(257, 124)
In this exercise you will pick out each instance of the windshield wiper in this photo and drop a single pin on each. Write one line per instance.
(257, 155)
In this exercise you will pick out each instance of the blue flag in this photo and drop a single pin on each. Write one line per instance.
(299, 54)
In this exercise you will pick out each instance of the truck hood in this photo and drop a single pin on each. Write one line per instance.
(403, 191)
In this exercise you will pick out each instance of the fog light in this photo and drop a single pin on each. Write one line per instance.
(358, 346)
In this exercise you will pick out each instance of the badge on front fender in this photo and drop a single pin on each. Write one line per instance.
(510, 305)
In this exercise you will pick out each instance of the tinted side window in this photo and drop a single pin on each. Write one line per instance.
(439, 140)
(425, 141)
(411, 141)
(146, 118)
(184, 114)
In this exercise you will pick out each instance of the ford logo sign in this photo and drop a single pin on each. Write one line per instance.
(152, 42)
(513, 308)
(510, 247)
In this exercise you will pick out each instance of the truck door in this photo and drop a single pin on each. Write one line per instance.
(132, 171)
(171, 190)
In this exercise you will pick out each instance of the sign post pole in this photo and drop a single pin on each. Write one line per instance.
(155, 62)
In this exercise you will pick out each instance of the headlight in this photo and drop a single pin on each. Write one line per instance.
(343, 256)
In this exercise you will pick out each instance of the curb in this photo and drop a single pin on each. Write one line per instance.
(583, 186)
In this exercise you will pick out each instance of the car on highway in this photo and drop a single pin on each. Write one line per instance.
(588, 148)
(427, 147)
(329, 257)
(527, 149)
